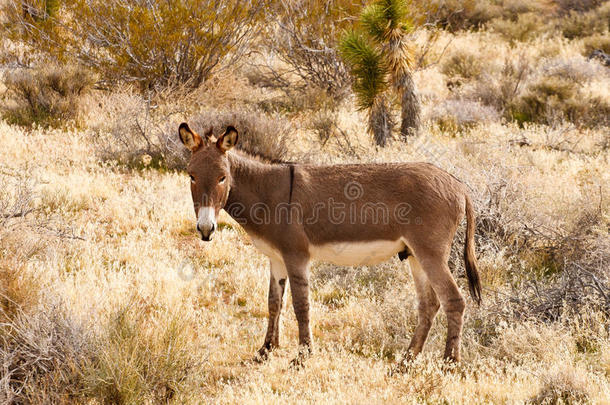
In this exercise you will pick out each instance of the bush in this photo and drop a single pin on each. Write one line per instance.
(524, 28)
(305, 40)
(455, 115)
(41, 353)
(578, 25)
(152, 44)
(553, 97)
(457, 15)
(259, 134)
(578, 5)
(464, 64)
(49, 97)
(138, 363)
(138, 134)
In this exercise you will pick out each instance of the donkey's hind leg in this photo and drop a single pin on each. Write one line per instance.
(436, 269)
(427, 307)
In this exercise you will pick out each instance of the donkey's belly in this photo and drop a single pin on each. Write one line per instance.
(356, 253)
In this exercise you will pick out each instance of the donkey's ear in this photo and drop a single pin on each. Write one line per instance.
(227, 140)
(189, 138)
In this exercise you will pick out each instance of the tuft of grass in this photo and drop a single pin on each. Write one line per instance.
(138, 362)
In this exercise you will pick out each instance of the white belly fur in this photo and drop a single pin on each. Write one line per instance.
(356, 253)
(341, 253)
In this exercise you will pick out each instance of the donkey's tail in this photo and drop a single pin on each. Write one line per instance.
(470, 259)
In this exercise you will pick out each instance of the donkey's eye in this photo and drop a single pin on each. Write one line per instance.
(222, 179)
(192, 178)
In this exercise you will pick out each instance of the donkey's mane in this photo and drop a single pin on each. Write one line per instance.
(261, 157)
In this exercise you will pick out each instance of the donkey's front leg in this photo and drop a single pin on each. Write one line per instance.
(277, 283)
(298, 274)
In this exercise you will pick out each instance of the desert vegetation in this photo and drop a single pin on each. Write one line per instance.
(107, 295)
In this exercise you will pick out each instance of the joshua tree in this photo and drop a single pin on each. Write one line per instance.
(379, 54)
(370, 83)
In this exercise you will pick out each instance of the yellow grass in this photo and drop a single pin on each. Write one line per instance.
(170, 317)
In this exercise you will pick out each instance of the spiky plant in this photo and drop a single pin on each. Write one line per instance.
(379, 53)
(370, 82)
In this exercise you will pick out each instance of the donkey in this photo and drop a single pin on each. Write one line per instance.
(349, 214)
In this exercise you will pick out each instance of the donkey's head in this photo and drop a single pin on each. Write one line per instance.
(210, 174)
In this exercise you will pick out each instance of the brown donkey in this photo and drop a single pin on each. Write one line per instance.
(345, 214)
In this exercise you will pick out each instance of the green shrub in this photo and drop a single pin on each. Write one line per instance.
(50, 97)
(152, 44)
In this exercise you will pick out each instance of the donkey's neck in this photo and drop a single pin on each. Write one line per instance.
(255, 184)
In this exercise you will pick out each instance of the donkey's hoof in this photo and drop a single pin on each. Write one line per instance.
(262, 355)
(299, 361)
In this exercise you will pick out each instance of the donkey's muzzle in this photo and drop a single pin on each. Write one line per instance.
(206, 234)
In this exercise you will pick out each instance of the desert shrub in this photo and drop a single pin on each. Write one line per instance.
(131, 131)
(42, 354)
(554, 97)
(578, 5)
(297, 100)
(575, 69)
(304, 39)
(498, 89)
(259, 134)
(48, 96)
(137, 362)
(464, 64)
(455, 115)
(457, 15)
(578, 25)
(524, 28)
(511, 9)
(324, 124)
(152, 44)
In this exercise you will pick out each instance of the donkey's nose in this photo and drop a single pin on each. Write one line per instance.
(206, 234)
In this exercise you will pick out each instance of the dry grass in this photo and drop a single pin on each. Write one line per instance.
(108, 296)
